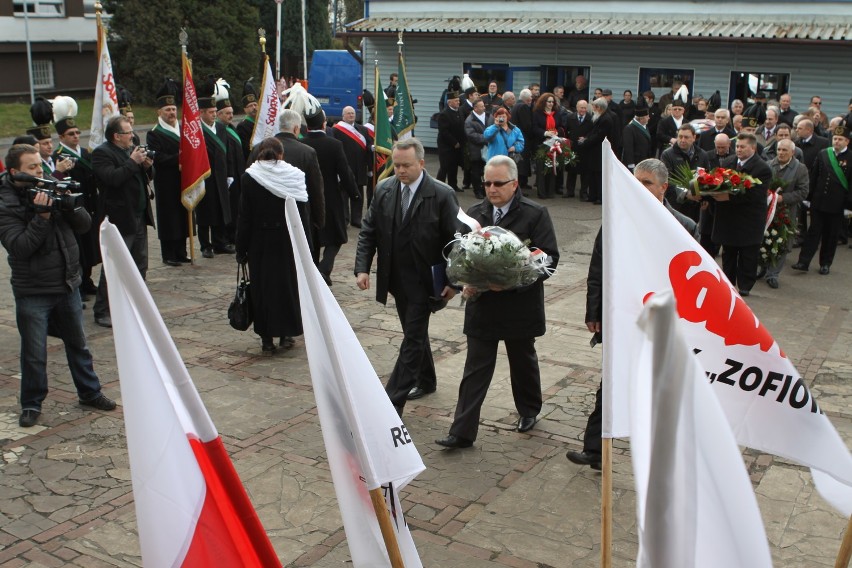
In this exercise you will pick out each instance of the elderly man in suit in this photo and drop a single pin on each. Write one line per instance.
(514, 316)
(410, 220)
(357, 144)
(123, 172)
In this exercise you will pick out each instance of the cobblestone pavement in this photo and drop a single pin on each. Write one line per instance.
(511, 500)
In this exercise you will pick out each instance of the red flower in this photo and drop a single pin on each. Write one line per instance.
(747, 184)
(736, 180)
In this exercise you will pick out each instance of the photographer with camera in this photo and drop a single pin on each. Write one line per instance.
(37, 229)
(123, 172)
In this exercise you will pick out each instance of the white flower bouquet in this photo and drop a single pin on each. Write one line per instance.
(494, 258)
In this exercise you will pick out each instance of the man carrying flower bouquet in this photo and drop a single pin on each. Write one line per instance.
(740, 219)
(831, 175)
(792, 188)
(514, 316)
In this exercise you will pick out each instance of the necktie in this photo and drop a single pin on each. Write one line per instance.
(406, 199)
(768, 134)
(739, 165)
(498, 214)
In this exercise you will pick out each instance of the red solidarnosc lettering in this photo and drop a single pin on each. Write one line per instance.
(737, 327)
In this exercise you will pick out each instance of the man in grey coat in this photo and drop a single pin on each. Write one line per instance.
(474, 126)
(794, 173)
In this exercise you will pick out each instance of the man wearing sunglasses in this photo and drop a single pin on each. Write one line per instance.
(514, 316)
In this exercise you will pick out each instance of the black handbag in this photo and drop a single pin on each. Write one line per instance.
(240, 313)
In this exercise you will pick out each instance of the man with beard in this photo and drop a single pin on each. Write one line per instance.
(245, 129)
(338, 182)
(164, 141)
(357, 144)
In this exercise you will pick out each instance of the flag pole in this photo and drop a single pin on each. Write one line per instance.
(374, 181)
(606, 504)
(183, 38)
(845, 552)
(380, 506)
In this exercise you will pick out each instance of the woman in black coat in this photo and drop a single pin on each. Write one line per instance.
(263, 241)
(545, 125)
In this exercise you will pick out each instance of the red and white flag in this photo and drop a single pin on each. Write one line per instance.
(194, 163)
(106, 96)
(266, 122)
(191, 507)
(366, 441)
(767, 403)
(695, 505)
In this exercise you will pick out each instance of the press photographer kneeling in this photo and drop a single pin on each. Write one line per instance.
(37, 226)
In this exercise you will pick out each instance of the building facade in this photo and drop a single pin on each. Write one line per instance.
(63, 37)
(738, 48)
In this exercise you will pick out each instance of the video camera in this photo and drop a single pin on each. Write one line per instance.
(62, 192)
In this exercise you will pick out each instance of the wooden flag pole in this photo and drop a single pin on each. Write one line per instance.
(845, 552)
(606, 504)
(381, 508)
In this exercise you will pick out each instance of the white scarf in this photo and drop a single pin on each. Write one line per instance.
(166, 126)
(481, 117)
(70, 149)
(280, 179)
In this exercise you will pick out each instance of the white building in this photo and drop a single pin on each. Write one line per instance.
(801, 47)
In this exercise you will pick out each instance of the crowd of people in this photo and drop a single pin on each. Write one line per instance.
(499, 141)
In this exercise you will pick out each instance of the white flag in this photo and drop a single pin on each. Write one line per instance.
(106, 97)
(191, 508)
(695, 505)
(266, 121)
(768, 405)
(367, 443)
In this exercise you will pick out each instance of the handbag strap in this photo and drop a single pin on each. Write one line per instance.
(242, 272)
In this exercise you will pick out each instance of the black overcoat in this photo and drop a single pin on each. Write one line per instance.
(740, 221)
(337, 178)
(172, 218)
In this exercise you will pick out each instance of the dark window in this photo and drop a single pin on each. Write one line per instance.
(746, 84)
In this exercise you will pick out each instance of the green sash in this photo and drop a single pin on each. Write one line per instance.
(832, 158)
(46, 169)
(80, 159)
(234, 134)
(165, 132)
(218, 140)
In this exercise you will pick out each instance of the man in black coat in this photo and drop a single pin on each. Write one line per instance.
(811, 145)
(451, 141)
(123, 172)
(592, 147)
(722, 118)
(337, 181)
(515, 316)
(579, 125)
(668, 126)
(172, 218)
(44, 259)
(636, 140)
(829, 196)
(739, 220)
(245, 128)
(684, 151)
(357, 144)
(236, 162)
(410, 220)
(213, 212)
(522, 117)
(305, 158)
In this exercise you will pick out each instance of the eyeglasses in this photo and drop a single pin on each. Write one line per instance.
(487, 183)
(128, 132)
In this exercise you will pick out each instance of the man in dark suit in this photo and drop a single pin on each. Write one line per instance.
(246, 127)
(357, 144)
(739, 220)
(830, 179)
(337, 181)
(592, 147)
(123, 172)
(636, 140)
(234, 157)
(522, 117)
(213, 212)
(579, 126)
(410, 220)
(811, 145)
(514, 316)
(668, 126)
(722, 118)
(164, 140)
(451, 140)
(305, 158)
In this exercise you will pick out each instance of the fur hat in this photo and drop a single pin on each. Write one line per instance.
(169, 94)
(206, 89)
(42, 113)
(250, 94)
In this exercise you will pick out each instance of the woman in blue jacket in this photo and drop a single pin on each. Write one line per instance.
(503, 137)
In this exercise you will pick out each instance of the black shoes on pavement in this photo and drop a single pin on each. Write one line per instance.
(28, 418)
(585, 458)
(801, 266)
(418, 392)
(100, 403)
(824, 269)
(773, 282)
(526, 423)
(454, 442)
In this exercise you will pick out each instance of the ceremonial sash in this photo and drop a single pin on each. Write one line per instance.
(832, 158)
(233, 133)
(167, 132)
(351, 133)
(642, 129)
(65, 151)
(216, 139)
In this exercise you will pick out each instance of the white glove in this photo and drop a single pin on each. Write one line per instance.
(230, 181)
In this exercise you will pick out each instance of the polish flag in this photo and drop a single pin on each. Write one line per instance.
(191, 507)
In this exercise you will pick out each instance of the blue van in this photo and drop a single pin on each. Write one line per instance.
(335, 79)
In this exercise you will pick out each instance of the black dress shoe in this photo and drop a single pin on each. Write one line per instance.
(526, 423)
(824, 269)
(171, 262)
(28, 418)
(207, 253)
(744, 293)
(104, 321)
(800, 266)
(585, 458)
(773, 282)
(101, 403)
(418, 392)
(454, 442)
